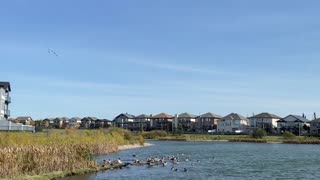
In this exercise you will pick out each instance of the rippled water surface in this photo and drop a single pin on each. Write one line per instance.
(219, 160)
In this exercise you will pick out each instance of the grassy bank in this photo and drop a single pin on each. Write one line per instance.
(159, 135)
(23, 153)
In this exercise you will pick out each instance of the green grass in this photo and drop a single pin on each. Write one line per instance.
(233, 138)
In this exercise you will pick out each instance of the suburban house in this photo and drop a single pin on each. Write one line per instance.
(315, 127)
(88, 122)
(5, 100)
(161, 121)
(25, 120)
(48, 122)
(292, 123)
(266, 121)
(124, 120)
(74, 122)
(142, 122)
(102, 123)
(187, 122)
(60, 122)
(207, 121)
(232, 122)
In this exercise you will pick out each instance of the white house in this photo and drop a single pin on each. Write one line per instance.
(4, 100)
(232, 122)
(264, 120)
(292, 123)
(75, 121)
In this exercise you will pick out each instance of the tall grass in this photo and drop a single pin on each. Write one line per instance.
(23, 153)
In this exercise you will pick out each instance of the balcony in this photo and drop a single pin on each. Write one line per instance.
(8, 99)
(7, 113)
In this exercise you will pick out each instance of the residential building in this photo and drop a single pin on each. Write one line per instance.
(161, 121)
(5, 100)
(265, 121)
(142, 122)
(292, 123)
(88, 122)
(232, 122)
(187, 122)
(61, 122)
(25, 120)
(315, 127)
(48, 123)
(124, 120)
(74, 122)
(206, 122)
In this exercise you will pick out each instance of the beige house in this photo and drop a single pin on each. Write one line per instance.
(232, 122)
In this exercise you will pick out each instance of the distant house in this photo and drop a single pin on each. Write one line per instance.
(315, 127)
(124, 120)
(88, 122)
(207, 121)
(187, 122)
(60, 122)
(232, 122)
(142, 122)
(74, 122)
(161, 121)
(102, 123)
(266, 121)
(25, 120)
(292, 123)
(49, 122)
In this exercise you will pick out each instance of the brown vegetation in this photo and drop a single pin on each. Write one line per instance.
(23, 153)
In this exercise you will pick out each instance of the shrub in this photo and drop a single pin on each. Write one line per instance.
(288, 135)
(141, 140)
(259, 133)
(154, 134)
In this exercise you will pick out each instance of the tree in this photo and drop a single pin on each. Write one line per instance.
(259, 133)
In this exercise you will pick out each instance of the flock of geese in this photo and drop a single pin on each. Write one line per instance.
(151, 161)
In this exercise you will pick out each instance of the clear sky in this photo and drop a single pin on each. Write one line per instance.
(168, 56)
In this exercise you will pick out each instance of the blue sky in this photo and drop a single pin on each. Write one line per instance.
(168, 56)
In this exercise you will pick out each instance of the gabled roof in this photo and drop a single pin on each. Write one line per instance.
(143, 116)
(210, 115)
(129, 116)
(297, 118)
(162, 116)
(20, 118)
(187, 115)
(5, 85)
(234, 116)
(265, 115)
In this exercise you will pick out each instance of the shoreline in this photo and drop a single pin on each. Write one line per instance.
(62, 174)
(133, 146)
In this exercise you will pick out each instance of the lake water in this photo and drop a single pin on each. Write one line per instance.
(219, 160)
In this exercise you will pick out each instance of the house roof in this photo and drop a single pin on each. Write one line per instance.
(210, 115)
(143, 116)
(5, 85)
(129, 116)
(187, 115)
(234, 116)
(162, 116)
(297, 118)
(61, 118)
(23, 118)
(265, 115)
